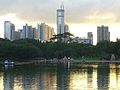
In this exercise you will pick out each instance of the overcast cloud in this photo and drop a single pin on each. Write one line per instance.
(76, 11)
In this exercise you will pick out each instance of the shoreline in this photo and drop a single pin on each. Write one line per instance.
(64, 61)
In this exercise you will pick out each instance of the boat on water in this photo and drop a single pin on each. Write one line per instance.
(8, 62)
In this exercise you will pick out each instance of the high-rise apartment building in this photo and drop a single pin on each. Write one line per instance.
(23, 32)
(16, 35)
(35, 33)
(9, 29)
(66, 28)
(103, 33)
(90, 36)
(30, 32)
(60, 20)
(27, 32)
(45, 32)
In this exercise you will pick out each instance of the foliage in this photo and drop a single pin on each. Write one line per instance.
(65, 37)
(29, 48)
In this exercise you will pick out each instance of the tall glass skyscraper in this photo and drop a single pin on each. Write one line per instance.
(60, 20)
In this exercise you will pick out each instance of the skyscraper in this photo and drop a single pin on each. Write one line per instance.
(60, 20)
(66, 28)
(23, 32)
(27, 32)
(9, 29)
(35, 33)
(103, 33)
(90, 36)
(45, 32)
(16, 35)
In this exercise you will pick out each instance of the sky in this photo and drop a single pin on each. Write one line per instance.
(82, 16)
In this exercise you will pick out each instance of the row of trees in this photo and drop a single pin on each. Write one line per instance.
(29, 48)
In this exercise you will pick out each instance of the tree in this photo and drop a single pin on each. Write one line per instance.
(65, 37)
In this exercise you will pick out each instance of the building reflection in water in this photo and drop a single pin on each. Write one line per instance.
(62, 78)
(18, 82)
(49, 80)
(118, 76)
(1, 80)
(8, 79)
(95, 78)
(103, 77)
(90, 77)
(78, 79)
(114, 77)
(39, 79)
(29, 79)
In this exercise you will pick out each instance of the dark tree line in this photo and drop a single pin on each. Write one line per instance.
(29, 48)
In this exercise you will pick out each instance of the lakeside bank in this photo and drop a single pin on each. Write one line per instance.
(64, 61)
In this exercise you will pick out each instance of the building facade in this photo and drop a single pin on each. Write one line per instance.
(90, 36)
(27, 32)
(66, 28)
(45, 32)
(103, 33)
(35, 33)
(81, 40)
(60, 20)
(16, 35)
(9, 29)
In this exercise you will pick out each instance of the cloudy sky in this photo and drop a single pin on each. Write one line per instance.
(81, 15)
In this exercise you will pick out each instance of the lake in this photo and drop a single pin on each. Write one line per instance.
(60, 77)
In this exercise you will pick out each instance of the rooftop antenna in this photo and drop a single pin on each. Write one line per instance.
(62, 5)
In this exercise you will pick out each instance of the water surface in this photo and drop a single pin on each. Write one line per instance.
(60, 77)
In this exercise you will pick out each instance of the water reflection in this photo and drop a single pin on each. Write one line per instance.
(90, 78)
(78, 79)
(103, 77)
(1, 80)
(114, 77)
(87, 77)
(8, 80)
(62, 78)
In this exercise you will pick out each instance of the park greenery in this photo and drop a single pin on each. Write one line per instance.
(31, 49)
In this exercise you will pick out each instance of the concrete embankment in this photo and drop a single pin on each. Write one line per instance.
(64, 61)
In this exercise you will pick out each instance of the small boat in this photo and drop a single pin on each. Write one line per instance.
(8, 62)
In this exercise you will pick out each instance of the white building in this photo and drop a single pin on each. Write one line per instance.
(85, 41)
(9, 29)
(81, 40)
(103, 33)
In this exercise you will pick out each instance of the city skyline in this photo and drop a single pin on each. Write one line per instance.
(82, 16)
